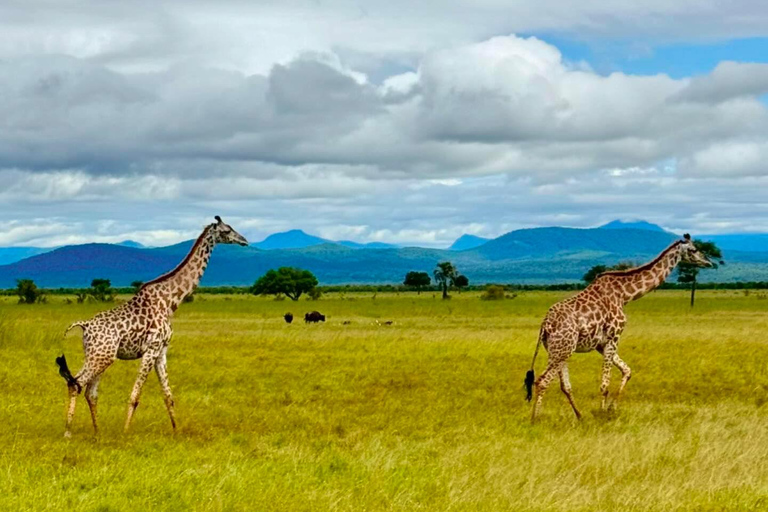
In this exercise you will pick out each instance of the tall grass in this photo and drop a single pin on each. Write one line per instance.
(425, 414)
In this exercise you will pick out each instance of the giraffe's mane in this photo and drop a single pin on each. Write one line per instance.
(186, 259)
(641, 268)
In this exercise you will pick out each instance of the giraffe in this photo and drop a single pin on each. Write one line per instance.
(141, 328)
(594, 320)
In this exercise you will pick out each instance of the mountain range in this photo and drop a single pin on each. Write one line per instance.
(534, 256)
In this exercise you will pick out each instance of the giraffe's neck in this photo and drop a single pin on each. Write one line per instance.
(183, 280)
(647, 278)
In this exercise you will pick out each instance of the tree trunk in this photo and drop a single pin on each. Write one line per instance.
(693, 291)
(445, 290)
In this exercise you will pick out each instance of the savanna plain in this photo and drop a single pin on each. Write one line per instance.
(425, 414)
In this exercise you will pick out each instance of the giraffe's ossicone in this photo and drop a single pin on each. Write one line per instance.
(594, 319)
(141, 328)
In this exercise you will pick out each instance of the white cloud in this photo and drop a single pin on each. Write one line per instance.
(367, 122)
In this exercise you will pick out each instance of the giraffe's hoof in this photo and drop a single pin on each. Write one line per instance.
(67, 434)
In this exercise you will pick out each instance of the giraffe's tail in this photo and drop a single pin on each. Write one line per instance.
(76, 324)
(530, 376)
(64, 372)
(61, 361)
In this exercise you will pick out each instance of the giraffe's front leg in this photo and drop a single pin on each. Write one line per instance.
(147, 362)
(162, 375)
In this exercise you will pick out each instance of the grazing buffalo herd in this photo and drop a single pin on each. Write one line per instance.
(314, 317)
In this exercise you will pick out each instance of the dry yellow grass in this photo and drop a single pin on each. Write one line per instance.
(426, 414)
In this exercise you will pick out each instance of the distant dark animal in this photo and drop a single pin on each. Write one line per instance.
(346, 322)
(388, 322)
(288, 317)
(314, 317)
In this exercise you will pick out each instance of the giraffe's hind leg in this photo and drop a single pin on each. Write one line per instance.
(92, 397)
(565, 386)
(162, 375)
(608, 352)
(626, 373)
(84, 376)
(541, 385)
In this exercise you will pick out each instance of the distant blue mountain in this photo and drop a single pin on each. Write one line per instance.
(541, 255)
(465, 242)
(298, 239)
(293, 239)
(638, 224)
(131, 243)
(369, 245)
(13, 254)
(576, 243)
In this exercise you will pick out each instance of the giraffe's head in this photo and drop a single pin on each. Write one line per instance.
(690, 254)
(224, 234)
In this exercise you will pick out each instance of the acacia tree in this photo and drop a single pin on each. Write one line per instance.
(101, 290)
(687, 272)
(461, 281)
(595, 271)
(445, 276)
(27, 291)
(417, 280)
(290, 281)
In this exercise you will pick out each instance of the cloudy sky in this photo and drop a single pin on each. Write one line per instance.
(398, 121)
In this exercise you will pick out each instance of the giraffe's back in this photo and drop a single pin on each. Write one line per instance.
(125, 329)
(580, 320)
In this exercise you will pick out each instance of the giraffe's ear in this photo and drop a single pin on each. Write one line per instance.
(218, 219)
(687, 236)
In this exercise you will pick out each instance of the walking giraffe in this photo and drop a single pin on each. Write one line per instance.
(594, 320)
(141, 328)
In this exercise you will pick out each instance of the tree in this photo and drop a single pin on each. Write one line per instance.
(461, 281)
(445, 276)
(592, 273)
(28, 291)
(493, 292)
(286, 280)
(687, 272)
(417, 280)
(101, 289)
(595, 271)
(137, 284)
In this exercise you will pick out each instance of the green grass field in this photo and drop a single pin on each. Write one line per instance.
(426, 414)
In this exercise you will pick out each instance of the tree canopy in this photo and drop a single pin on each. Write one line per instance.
(445, 275)
(28, 291)
(290, 281)
(595, 271)
(688, 272)
(417, 280)
(101, 290)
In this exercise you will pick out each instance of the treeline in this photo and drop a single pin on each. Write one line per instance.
(352, 288)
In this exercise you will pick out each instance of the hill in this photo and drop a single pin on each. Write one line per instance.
(540, 255)
(12, 254)
(638, 224)
(293, 239)
(298, 239)
(465, 242)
